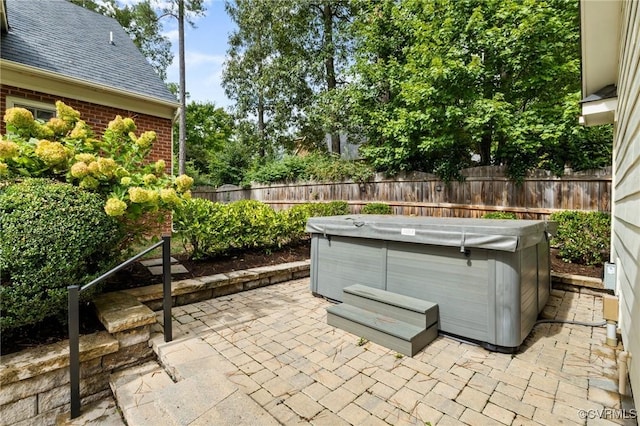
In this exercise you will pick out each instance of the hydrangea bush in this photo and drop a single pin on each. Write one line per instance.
(114, 165)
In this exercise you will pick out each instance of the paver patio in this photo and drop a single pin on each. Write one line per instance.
(289, 361)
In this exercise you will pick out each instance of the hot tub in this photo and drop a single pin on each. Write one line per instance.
(490, 278)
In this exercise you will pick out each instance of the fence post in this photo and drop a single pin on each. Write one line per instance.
(166, 287)
(74, 349)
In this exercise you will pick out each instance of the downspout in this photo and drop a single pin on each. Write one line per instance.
(623, 369)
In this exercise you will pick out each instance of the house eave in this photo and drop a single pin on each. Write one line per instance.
(599, 112)
(600, 23)
(32, 78)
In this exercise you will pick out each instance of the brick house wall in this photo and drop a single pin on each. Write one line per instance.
(98, 117)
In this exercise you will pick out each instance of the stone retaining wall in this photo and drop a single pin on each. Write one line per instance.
(35, 382)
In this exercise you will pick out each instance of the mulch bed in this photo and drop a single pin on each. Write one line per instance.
(559, 266)
(137, 275)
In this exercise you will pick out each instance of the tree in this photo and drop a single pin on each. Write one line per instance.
(262, 73)
(210, 130)
(445, 84)
(182, 10)
(142, 22)
(284, 61)
(324, 36)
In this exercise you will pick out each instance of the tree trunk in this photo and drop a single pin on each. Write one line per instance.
(329, 64)
(261, 125)
(485, 148)
(182, 138)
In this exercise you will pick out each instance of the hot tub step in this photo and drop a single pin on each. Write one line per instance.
(408, 309)
(389, 332)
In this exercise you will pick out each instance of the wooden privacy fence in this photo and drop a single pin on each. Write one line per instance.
(485, 189)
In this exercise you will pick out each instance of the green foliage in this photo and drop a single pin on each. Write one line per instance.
(583, 237)
(115, 166)
(446, 84)
(215, 229)
(291, 168)
(52, 235)
(499, 215)
(231, 164)
(317, 167)
(333, 208)
(283, 58)
(377, 208)
(209, 134)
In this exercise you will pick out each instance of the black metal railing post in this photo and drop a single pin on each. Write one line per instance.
(166, 287)
(74, 349)
(74, 314)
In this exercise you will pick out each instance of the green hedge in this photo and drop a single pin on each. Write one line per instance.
(52, 235)
(213, 229)
(583, 237)
(377, 208)
(499, 215)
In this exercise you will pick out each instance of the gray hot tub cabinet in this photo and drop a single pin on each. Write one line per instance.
(490, 278)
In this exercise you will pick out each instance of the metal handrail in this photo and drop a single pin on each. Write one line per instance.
(74, 314)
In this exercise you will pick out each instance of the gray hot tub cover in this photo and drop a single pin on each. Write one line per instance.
(492, 234)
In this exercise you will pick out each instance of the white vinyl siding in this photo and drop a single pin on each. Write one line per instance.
(626, 188)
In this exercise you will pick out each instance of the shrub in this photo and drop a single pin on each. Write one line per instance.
(250, 224)
(377, 208)
(213, 229)
(52, 235)
(333, 208)
(193, 222)
(115, 165)
(499, 215)
(582, 237)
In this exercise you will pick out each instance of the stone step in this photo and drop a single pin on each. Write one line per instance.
(209, 398)
(157, 261)
(407, 309)
(405, 338)
(136, 390)
(201, 394)
(100, 413)
(175, 270)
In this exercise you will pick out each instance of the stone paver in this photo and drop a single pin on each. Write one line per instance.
(280, 350)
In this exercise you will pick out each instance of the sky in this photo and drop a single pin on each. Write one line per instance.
(205, 49)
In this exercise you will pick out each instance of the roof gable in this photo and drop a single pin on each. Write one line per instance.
(60, 37)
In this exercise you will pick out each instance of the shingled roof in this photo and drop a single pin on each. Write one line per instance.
(60, 37)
